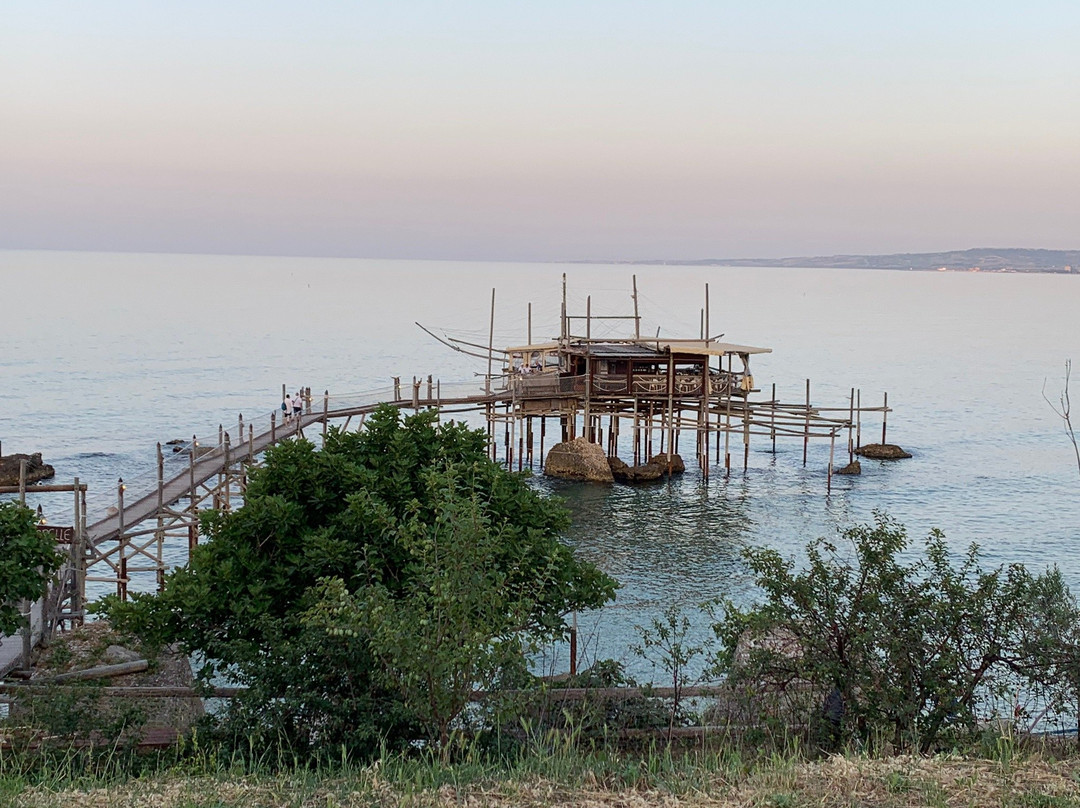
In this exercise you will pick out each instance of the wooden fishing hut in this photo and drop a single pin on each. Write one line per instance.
(639, 395)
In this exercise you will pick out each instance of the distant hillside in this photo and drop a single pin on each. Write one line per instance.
(986, 259)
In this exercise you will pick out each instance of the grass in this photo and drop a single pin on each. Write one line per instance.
(558, 774)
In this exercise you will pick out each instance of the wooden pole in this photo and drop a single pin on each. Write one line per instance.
(159, 538)
(746, 436)
(22, 482)
(529, 342)
(543, 431)
(806, 430)
(637, 317)
(121, 582)
(325, 412)
(670, 409)
(564, 331)
(772, 419)
(191, 472)
(273, 426)
(832, 450)
(727, 434)
(77, 560)
(573, 646)
(884, 416)
(588, 368)
(708, 339)
(858, 419)
(850, 428)
(491, 344)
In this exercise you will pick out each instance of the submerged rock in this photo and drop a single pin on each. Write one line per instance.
(578, 460)
(882, 451)
(36, 470)
(851, 468)
(654, 469)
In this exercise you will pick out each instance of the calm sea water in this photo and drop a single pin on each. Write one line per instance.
(103, 355)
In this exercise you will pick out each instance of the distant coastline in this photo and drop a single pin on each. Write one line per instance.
(975, 260)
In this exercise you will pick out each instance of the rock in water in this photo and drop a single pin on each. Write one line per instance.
(851, 468)
(36, 470)
(656, 468)
(882, 451)
(578, 460)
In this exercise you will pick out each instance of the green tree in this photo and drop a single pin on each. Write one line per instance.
(408, 516)
(28, 558)
(909, 652)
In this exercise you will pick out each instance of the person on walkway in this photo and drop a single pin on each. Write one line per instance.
(286, 410)
(297, 405)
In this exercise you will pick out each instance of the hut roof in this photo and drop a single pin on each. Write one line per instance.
(700, 346)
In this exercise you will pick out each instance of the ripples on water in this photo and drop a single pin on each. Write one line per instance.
(105, 355)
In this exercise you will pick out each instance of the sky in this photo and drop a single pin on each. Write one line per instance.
(539, 131)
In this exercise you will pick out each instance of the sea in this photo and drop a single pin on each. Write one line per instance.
(104, 355)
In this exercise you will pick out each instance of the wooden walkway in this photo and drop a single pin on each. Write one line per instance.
(214, 462)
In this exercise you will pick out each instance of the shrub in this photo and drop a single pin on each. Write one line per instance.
(912, 653)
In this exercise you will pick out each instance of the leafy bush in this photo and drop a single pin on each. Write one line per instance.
(363, 588)
(911, 653)
(28, 558)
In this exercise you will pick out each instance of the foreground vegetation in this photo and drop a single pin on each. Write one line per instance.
(1004, 776)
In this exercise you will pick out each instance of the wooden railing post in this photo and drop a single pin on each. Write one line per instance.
(121, 582)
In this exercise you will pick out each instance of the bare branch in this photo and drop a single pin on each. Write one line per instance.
(1063, 411)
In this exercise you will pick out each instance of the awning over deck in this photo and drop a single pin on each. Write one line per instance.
(703, 348)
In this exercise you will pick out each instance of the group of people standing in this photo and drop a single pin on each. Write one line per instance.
(292, 407)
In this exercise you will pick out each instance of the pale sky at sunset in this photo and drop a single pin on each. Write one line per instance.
(554, 130)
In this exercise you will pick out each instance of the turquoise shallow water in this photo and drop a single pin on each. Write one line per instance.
(103, 355)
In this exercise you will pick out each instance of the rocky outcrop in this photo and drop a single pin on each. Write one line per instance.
(654, 469)
(851, 468)
(36, 470)
(578, 460)
(882, 451)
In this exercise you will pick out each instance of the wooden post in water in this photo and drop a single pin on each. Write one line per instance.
(746, 437)
(543, 431)
(273, 426)
(884, 416)
(850, 428)
(772, 419)
(806, 430)
(397, 388)
(858, 419)
(670, 409)
(22, 482)
(727, 432)
(325, 412)
(832, 450)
